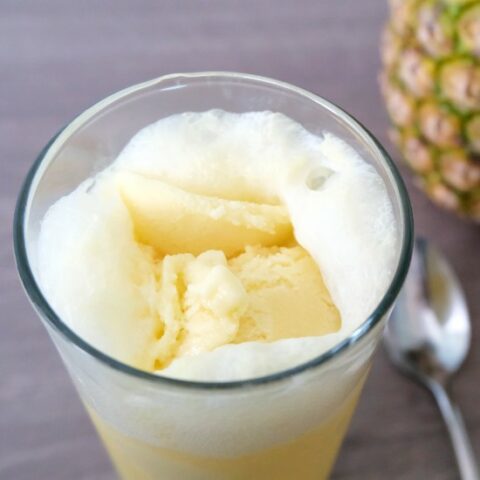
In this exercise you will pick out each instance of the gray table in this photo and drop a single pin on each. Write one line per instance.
(58, 57)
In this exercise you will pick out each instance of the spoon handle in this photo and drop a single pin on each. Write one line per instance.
(458, 433)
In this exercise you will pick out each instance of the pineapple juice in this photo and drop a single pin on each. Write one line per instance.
(310, 456)
(218, 248)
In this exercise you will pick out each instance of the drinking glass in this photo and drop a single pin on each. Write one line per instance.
(286, 425)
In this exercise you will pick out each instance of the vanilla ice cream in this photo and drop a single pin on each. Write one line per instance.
(220, 246)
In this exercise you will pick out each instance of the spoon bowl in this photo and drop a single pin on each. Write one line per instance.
(429, 331)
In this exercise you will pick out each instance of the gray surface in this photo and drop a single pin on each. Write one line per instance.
(58, 57)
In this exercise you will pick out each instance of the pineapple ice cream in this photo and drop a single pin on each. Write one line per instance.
(220, 246)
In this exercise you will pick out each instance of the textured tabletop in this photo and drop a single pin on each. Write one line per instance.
(56, 58)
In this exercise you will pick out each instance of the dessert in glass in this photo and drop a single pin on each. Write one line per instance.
(214, 256)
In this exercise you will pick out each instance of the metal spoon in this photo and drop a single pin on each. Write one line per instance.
(428, 337)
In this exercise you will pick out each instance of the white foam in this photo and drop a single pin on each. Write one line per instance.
(338, 205)
(87, 257)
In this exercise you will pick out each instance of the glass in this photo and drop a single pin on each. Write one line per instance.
(286, 425)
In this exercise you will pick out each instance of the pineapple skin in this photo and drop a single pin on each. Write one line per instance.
(430, 81)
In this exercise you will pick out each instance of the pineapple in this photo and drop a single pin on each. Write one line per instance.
(431, 85)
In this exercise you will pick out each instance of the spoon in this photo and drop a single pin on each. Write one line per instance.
(428, 337)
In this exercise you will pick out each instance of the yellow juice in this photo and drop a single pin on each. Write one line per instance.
(310, 456)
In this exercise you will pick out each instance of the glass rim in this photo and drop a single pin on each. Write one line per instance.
(42, 306)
